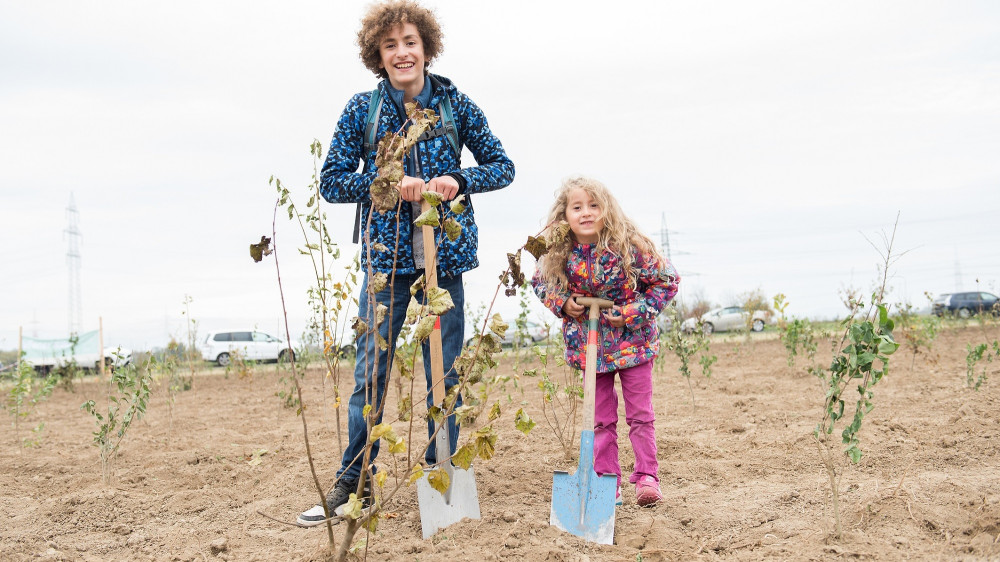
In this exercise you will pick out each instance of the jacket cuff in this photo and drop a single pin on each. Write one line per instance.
(461, 181)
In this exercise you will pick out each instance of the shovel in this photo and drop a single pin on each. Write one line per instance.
(460, 500)
(584, 504)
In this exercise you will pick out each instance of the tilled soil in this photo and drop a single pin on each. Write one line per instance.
(223, 473)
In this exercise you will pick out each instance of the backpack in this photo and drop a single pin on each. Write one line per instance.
(371, 128)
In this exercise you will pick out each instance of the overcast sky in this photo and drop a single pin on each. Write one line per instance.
(774, 138)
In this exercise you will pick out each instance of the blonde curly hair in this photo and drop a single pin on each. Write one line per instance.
(619, 236)
(384, 17)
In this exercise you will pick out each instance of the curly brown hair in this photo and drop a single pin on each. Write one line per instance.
(384, 17)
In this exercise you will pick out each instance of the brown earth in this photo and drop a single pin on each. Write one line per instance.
(741, 475)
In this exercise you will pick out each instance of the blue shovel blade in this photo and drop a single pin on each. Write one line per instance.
(583, 504)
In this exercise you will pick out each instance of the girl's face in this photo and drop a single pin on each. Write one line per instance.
(584, 216)
(402, 57)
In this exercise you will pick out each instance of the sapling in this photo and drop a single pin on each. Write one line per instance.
(797, 334)
(916, 332)
(862, 361)
(166, 369)
(330, 300)
(128, 394)
(987, 350)
(560, 399)
(190, 352)
(686, 346)
(25, 394)
(239, 365)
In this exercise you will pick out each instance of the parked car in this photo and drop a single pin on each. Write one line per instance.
(724, 320)
(965, 304)
(114, 358)
(251, 345)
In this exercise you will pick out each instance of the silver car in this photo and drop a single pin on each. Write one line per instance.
(726, 319)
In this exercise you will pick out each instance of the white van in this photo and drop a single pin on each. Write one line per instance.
(251, 345)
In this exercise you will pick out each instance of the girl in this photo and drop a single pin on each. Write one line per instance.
(604, 255)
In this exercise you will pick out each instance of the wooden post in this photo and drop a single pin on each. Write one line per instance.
(100, 331)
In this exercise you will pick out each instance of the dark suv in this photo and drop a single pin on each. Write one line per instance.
(965, 304)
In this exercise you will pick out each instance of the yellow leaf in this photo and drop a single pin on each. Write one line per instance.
(536, 246)
(378, 281)
(424, 328)
(414, 311)
(523, 422)
(439, 300)
(452, 229)
(463, 457)
(417, 286)
(439, 480)
(498, 326)
(429, 217)
(417, 474)
(465, 414)
(457, 206)
(380, 478)
(486, 440)
(495, 411)
(379, 430)
(352, 509)
(398, 447)
(433, 198)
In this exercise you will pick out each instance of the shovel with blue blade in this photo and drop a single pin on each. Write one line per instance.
(583, 504)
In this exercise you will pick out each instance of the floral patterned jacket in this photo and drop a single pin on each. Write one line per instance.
(600, 274)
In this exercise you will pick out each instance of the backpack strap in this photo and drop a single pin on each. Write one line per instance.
(447, 127)
(371, 128)
(371, 122)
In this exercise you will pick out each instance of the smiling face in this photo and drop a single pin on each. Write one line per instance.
(402, 56)
(584, 215)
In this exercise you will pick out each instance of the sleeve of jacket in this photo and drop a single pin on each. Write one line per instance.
(551, 297)
(340, 180)
(495, 170)
(660, 280)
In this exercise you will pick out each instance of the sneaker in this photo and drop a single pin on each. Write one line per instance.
(618, 496)
(335, 502)
(647, 491)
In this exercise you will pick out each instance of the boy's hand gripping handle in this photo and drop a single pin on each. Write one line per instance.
(590, 367)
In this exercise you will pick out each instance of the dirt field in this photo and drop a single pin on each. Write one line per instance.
(741, 475)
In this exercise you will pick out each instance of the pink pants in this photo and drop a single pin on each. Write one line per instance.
(637, 390)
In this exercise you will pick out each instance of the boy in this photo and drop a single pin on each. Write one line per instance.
(399, 39)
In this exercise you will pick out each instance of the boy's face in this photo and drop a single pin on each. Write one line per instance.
(402, 53)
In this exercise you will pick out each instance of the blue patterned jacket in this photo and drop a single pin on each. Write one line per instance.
(342, 183)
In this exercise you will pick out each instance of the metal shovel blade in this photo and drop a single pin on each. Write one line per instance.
(583, 504)
(459, 501)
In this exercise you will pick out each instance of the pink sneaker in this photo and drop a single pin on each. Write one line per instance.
(647, 491)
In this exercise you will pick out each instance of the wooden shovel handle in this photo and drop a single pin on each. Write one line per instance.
(590, 367)
(430, 280)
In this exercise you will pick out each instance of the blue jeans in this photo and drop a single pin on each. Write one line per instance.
(371, 390)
